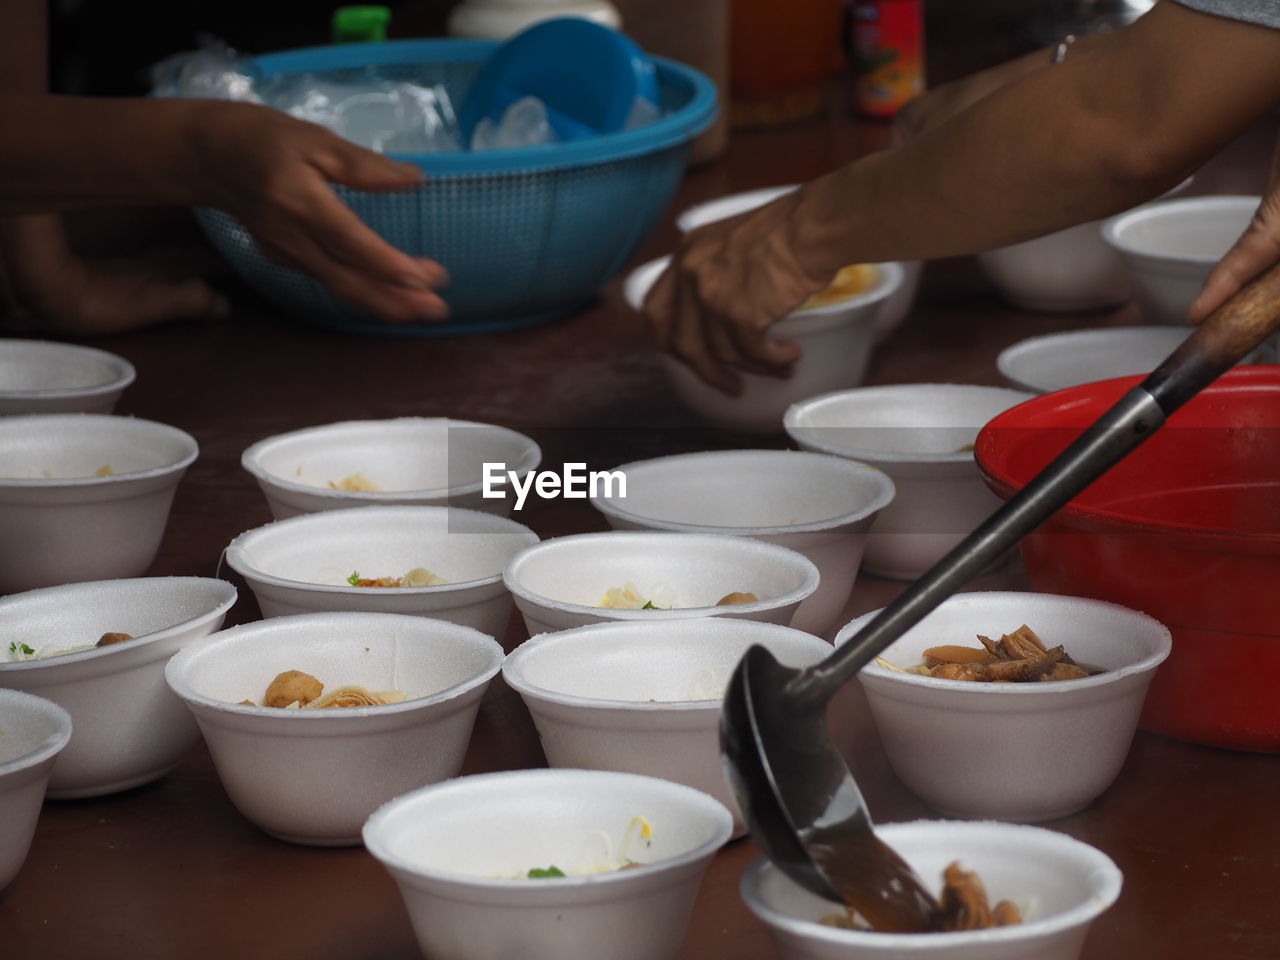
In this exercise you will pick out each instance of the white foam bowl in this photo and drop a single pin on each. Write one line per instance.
(1065, 271)
(921, 435)
(423, 461)
(1015, 751)
(63, 522)
(129, 728)
(560, 583)
(836, 342)
(1059, 360)
(460, 852)
(314, 776)
(644, 697)
(1169, 248)
(35, 731)
(817, 504)
(1061, 884)
(900, 302)
(42, 376)
(302, 565)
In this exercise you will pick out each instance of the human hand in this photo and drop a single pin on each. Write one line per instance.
(273, 173)
(1257, 249)
(53, 290)
(727, 284)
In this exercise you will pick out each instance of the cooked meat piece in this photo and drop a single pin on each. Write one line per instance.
(960, 671)
(964, 906)
(1065, 671)
(292, 686)
(953, 653)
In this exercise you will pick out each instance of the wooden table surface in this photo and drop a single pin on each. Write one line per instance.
(172, 870)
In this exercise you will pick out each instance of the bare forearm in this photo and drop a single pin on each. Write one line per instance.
(1115, 124)
(24, 46)
(58, 153)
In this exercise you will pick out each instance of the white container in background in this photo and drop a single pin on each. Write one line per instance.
(499, 19)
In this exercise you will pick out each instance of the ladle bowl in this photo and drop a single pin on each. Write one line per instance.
(798, 797)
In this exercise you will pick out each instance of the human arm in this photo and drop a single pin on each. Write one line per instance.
(45, 286)
(267, 169)
(1121, 122)
(1257, 249)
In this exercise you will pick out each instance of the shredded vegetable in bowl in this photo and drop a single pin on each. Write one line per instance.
(417, 577)
(24, 651)
(638, 837)
(628, 597)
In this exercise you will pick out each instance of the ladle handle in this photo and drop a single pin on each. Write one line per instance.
(1225, 337)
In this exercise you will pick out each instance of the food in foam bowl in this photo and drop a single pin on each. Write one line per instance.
(851, 281)
(836, 331)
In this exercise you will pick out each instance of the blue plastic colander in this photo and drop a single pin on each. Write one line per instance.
(527, 235)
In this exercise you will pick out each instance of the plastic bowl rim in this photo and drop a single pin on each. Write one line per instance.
(1113, 521)
(674, 129)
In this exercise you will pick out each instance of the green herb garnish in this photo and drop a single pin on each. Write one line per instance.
(648, 605)
(538, 873)
(354, 579)
(21, 648)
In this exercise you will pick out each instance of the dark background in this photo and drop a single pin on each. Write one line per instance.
(107, 46)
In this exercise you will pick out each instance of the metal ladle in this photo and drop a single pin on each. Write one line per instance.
(798, 797)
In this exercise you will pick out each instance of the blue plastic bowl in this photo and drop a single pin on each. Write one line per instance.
(527, 235)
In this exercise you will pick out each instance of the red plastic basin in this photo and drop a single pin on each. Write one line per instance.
(1186, 529)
